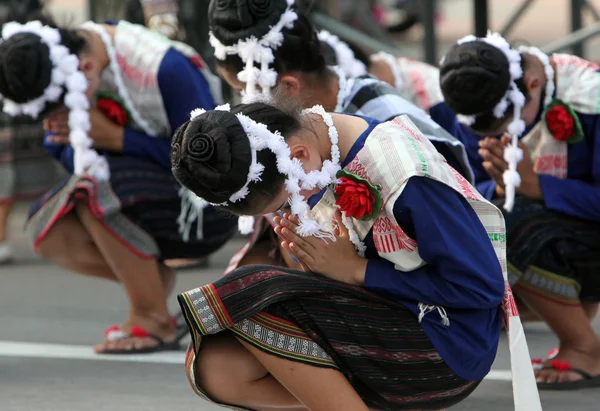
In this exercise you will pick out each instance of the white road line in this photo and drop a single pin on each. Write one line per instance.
(83, 352)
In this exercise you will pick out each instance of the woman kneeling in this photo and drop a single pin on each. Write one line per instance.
(398, 303)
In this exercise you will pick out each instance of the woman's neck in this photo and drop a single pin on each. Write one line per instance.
(349, 129)
(322, 91)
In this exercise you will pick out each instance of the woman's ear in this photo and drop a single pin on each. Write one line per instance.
(290, 85)
(532, 83)
(299, 151)
(86, 64)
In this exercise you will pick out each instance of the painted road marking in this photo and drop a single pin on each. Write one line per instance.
(83, 352)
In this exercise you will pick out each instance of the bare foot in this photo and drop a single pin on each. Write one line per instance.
(587, 360)
(161, 327)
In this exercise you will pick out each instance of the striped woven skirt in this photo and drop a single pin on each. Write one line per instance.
(26, 169)
(140, 206)
(552, 254)
(376, 343)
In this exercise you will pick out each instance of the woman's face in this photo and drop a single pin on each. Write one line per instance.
(302, 147)
(93, 75)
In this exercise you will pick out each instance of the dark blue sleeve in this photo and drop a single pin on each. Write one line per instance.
(441, 114)
(487, 188)
(577, 197)
(61, 152)
(183, 89)
(461, 270)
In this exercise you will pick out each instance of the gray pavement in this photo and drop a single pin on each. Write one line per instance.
(42, 304)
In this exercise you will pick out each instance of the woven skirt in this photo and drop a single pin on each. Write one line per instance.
(377, 344)
(140, 206)
(552, 254)
(26, 169)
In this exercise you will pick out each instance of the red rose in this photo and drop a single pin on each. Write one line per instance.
(113, 111)
(560, 123)
(354, 198)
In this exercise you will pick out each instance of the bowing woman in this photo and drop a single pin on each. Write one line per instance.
(542, 110)
(397, 305)
(110, 96)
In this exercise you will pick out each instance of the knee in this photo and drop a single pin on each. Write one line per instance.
(218, 371)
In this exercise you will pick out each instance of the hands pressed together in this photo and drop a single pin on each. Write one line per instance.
(106, 134)
(337, 260)
(492, 152)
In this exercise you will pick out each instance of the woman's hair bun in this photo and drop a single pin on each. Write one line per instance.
(474, 77)
(211, 156)
(25, 67)
(232, 20)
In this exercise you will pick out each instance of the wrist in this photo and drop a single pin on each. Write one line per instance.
(359, 271)
(118, 140)
(533, 189)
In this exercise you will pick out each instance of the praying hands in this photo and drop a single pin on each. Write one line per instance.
(492, 152)
(337, 260)
(105, 133)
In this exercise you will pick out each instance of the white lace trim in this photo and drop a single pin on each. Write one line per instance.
(346, 60)
(252, 50)
(65, 73)
(118, 77)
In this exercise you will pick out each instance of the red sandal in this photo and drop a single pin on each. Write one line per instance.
(587, 380)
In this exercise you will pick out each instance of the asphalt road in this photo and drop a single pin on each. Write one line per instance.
(49, 318)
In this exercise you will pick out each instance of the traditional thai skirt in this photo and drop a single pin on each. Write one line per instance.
(140, 206)
(26, 169)
(552, 254)
(375, 342)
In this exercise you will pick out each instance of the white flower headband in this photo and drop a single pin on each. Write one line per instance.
(253, 50)
(512, 154)
(346, 60)
(65, 74)
(297, 179)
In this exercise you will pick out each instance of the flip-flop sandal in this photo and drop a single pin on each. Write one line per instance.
(178, 322)
(587, 380)
(538, 363)
(113, 334)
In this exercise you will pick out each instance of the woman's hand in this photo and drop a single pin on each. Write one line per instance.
(337, 260)
(106, 135)
(492, 152)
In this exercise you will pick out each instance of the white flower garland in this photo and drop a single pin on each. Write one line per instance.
(65, 74)
(512, 154)
(297, 179)
(344, 89)
(118, 78)
(345, 57)
(393, 65)
(253, 50)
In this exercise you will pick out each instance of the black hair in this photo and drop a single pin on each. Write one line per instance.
(474, 78)
(211, 156)
(233, 20)
(26, 67)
